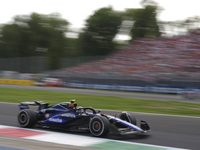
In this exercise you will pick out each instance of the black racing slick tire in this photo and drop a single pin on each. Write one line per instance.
(27, 118)
(128, 117)
(99, 126)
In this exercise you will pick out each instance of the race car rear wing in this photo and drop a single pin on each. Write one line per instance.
(42, 105)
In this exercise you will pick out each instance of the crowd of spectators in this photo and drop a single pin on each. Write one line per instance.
(149, 59)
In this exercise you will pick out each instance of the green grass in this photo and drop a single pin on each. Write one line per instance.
(135, 92)
(102, 102)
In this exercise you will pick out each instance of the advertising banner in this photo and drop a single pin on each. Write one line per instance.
(133, 88)
(16, 82)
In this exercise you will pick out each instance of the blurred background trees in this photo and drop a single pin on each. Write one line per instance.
(35, 35)
(45, 35)
(99, 32)
(145, 23)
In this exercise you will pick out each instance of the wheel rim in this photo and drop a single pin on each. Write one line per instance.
(23, 118)
(96, 126)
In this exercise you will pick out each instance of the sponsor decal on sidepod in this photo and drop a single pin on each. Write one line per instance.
(55, 120)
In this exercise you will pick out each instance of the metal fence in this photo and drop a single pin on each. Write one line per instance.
(24, 64)
(40, 65)
(70, 62)
(124, 81)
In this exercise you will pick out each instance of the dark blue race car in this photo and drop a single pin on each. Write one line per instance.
(67, 117)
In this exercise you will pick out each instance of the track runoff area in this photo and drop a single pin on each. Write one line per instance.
(74, 140)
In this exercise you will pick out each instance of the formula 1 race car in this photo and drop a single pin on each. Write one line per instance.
(67, 117)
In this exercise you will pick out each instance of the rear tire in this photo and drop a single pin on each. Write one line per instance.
(99, 126)
(27, 118)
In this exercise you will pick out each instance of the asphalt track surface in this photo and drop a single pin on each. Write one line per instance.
(171, 131)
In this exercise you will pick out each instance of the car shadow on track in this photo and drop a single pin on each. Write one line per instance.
(127, 137)
(136, 136)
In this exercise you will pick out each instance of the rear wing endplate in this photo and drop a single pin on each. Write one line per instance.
(24, 105)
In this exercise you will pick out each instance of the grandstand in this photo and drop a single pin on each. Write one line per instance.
(148, 59)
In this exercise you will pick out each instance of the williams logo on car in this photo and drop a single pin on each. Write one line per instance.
(56, 120)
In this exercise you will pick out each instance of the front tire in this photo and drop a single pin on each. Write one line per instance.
(27, 118)
(99, 126)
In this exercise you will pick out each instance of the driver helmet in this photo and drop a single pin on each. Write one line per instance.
(72, 104)
(73, 101)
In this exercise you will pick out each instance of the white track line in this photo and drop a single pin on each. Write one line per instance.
(77, 140)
